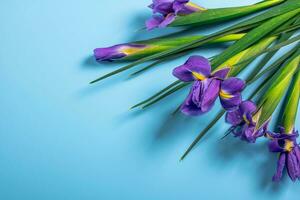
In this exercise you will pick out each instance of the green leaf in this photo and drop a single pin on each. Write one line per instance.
(158, 45)
(272, 49)
(291, 104)
(221, 14)
(243, 57)
(280, 83)
(274, 65)
(255, 35)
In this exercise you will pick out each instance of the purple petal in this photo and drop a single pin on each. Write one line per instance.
(154, 22)
(280, 167)
(191, 105)
(296, 162)
(197, 64)
(168, 20)
(248, 133)
(222, 73)
(109, 54)
(231, 103)
(275, 146)
(201, 97)
(180, 7)
(248, 107)
(183, 7)
(233, 85)
(234, 117)
(163, 7)
(210, 93)
(291, 166)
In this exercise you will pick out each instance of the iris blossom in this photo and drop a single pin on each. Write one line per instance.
(243, 123)
(117, 51)
(207, 86)
(289, 157)
(165, 12)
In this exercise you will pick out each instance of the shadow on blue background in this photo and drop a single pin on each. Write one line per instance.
(62, 138)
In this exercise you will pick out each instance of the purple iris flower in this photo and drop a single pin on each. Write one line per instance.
(242, 122)
(289, 157)
(117, 51)
(207, 86)
(165, 12)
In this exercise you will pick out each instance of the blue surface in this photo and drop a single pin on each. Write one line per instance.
(61, 138)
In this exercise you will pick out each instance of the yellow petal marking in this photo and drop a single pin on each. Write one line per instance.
(289, 145)
(245, 119)
(198, 76)
(225, 95)
(131, 50)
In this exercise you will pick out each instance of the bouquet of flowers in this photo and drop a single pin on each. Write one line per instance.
(261, 35)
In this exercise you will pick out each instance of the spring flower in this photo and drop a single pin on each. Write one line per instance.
(165, 12)
(243, 123)
(207, 86)
(117, 51)
(289, 157)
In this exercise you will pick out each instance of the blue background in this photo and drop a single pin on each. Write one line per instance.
(61, 138)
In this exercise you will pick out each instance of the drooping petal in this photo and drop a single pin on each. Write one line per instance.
(191, 105)
(201, 98)
(210, 93)
(234, 117)
(296, 162)
(167, 20)
(280, 167)
(195, 68)
(291, 165)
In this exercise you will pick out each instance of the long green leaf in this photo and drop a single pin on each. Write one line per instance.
(280, 83)
(221, 14)
(291, 105)
(255, 35)
(274, 65)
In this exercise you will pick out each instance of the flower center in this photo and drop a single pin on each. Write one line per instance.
(289, 145)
